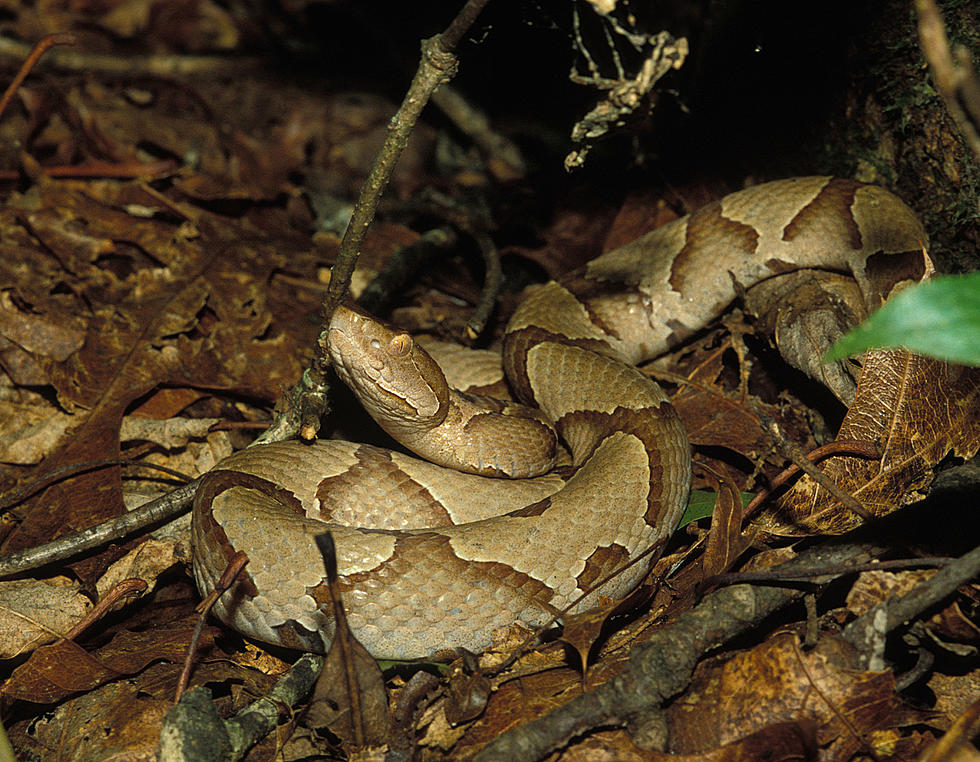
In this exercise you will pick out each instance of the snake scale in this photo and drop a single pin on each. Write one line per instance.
(430, 559)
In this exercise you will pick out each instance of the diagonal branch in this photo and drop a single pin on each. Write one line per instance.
(662, 666)
(956, 81)
(307, 401)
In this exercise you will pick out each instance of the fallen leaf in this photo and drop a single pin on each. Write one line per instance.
(582, 630)
(468, 694)
(113, 722)
(170, 434)
(35, 612)
(715, 415)
(725, 539)
(916, 410)
(147, 561)
(777, 682)
(37, 333)
(31, 428)
(59, 670)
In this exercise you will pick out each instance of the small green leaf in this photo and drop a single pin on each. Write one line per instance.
(702, 502)
(939, 318)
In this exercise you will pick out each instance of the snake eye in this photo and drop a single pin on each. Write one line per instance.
(400, 345)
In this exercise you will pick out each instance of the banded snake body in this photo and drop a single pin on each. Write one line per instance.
(430, 559)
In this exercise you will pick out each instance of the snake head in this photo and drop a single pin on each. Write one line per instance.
(396, 380)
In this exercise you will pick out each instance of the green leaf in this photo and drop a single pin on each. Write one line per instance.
(702, 502)
(938, 318)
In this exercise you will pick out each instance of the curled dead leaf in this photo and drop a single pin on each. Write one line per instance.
(917, 410)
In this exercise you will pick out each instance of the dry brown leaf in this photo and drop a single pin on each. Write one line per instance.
(193, 25)
(872, 587)
(38, 334)
(572, 239)
(147, 561)
(779, 742)
(916, 410)
(201, 320)
(197, 457)
(517, 702)
(468, 694)
(725, 540)
(611, 745)
(35, 612)
(582, 630)
(954, 693)
(31, 428)
(166, 403)
(59, 670)
(113, 722)
(953, 623)
(440, 736)
(330, 706)
(170, 434)
(714, 417)
(777, 682)
(948, 627)
(641, 211)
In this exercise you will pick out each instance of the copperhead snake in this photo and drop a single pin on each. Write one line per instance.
(452, 556)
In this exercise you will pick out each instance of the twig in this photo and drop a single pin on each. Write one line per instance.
(125, 588)
(626, 94)
(924, 661)
(213, 66)
(437, 66)
(503, 156)
(98, 168)
(76, 469)
(799, 458)
(661, 667)
(957, 82)
(888, 615)
(417, 693)
(225, 581)
(852, 447)
(161, 509)
(679, 379)
(42, 45)
(475, 220)
(774, 577)
(307, 402)
(955, 743)
(492, 282)
(192, 729)
(254, 722)
(801, 461)
(401, 265)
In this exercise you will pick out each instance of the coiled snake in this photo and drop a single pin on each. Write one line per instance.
(453, 556)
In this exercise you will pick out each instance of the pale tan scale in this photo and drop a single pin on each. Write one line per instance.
(555, 309)
(514, 556)
(467, 370)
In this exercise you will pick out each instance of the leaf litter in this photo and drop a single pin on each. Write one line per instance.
(147, 308)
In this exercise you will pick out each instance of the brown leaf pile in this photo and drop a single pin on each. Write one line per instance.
(164, 244)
